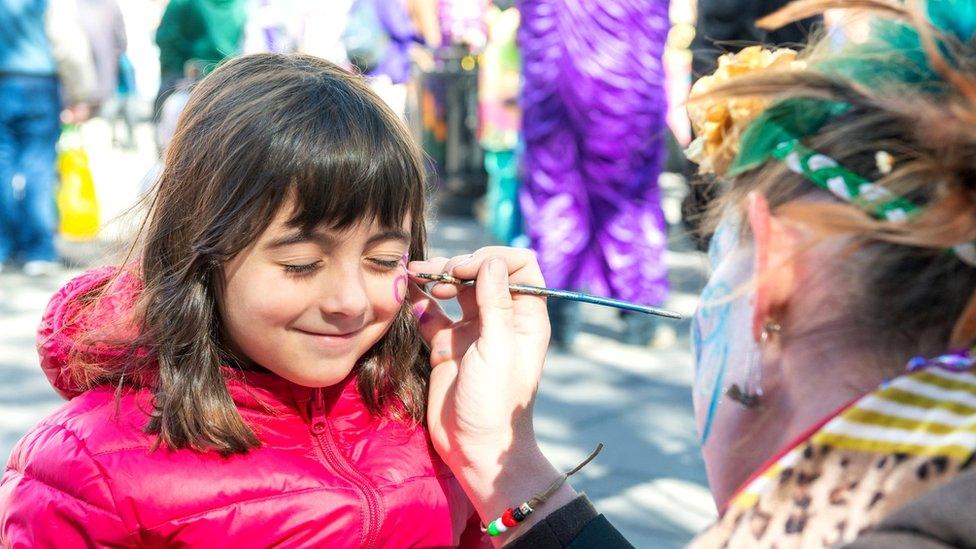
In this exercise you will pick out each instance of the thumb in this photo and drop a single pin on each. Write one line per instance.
(495, 305)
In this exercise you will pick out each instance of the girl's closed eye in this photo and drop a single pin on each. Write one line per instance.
(303, 268)
(386, 263)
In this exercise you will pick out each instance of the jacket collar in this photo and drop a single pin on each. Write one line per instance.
(270, 393)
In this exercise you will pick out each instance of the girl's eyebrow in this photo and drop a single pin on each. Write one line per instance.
(392, 234)
(298, 238)
(326, 238)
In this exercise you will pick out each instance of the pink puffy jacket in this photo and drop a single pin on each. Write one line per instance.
(328, 474)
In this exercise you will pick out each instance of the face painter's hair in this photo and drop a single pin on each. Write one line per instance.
(904, 293)
(258, 133)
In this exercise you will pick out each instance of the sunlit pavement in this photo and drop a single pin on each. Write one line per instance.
(649, 480)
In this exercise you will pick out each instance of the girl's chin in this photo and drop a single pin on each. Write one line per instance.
(322, 377)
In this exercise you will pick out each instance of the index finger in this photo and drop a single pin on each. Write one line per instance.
(523, 267)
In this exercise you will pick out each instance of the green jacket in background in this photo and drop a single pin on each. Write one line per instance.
(204, 30)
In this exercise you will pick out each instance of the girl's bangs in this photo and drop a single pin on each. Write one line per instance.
(352, 167)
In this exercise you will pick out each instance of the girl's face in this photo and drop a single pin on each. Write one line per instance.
(308, 306)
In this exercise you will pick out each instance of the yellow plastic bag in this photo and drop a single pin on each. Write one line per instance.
(77, 204)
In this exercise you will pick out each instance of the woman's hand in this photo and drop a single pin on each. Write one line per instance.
(487, 364)
(486, 370)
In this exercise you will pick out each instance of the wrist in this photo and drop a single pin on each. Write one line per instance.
(509, 480)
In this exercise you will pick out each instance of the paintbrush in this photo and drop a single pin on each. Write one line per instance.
(561, 294)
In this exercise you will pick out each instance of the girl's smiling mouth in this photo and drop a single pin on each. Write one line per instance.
(331, 338)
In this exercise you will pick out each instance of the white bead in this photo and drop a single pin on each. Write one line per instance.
(838, 186)
(793, 162)
(500, 526)
(819, 162)
(875, 193)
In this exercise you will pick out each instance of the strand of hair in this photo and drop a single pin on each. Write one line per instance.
(808, 8)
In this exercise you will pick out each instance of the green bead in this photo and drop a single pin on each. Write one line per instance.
(493, 529)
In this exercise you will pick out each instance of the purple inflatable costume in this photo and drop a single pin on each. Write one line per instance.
(594, 124)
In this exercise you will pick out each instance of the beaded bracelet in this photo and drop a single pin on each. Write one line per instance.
(514, 515)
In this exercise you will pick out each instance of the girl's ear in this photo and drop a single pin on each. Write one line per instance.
(776, 245)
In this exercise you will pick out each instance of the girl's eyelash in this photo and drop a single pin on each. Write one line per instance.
(302, 269)
(387, 263)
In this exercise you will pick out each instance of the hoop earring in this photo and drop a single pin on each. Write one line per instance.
(749, 395)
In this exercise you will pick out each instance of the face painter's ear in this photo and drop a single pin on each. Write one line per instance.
(776, 246)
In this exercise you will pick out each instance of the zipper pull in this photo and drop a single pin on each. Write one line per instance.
(318, 412)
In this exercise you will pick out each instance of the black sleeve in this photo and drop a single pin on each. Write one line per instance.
(576, 525)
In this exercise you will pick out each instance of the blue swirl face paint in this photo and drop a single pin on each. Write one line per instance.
(721, 332)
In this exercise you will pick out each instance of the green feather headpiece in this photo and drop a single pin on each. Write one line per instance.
(893, 58)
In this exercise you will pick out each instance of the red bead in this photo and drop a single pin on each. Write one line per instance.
(507, 518)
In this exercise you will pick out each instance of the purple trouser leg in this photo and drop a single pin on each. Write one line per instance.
(594, 126)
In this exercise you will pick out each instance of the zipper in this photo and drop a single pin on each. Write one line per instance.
(322, 433)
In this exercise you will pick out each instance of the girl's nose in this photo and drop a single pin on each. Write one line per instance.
(344, 294)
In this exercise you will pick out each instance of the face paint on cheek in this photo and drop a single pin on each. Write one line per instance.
(400, 283)
(400, 288)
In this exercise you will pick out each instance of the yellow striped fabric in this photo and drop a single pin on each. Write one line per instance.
(926, 413)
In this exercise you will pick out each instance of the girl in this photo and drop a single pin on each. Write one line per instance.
(258, 376)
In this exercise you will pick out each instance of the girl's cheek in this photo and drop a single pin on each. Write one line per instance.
(400, 288)
(386, 293)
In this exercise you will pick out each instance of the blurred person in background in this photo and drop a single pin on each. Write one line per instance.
(169, 115)
(102, 22)
(594, 110)
(499, 85)
(274, 26)
(448, 97)
(322, 29)
(208, 31)
(104, 28)
(462, 23)
(44, 55)
(378, 38)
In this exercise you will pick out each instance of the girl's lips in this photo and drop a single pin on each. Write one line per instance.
(347, 335)
(330, 340)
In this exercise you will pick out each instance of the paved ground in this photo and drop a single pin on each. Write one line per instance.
(649, 479)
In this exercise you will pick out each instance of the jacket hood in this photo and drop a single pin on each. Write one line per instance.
(99, 299)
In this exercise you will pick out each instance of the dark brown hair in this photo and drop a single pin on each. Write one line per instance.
(259, 131)
(907, 293)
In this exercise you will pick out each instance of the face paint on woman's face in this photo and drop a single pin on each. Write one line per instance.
(721, 328)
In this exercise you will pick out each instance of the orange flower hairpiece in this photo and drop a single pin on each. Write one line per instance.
(719, 124)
